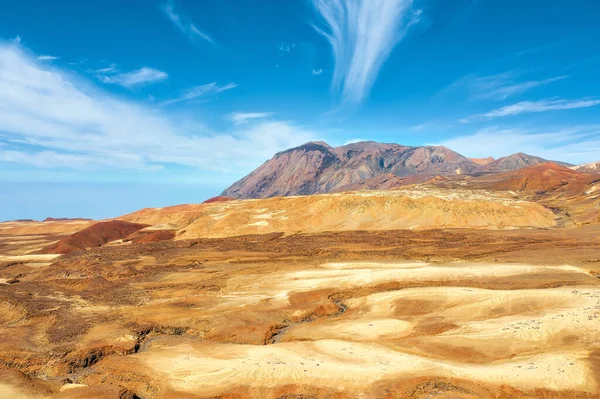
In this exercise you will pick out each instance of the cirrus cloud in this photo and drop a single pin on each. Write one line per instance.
(528, 107)
(362, 33)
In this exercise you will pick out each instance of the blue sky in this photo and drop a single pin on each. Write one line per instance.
(108, 107)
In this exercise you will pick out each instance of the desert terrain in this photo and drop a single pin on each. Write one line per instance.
(482, 285)
(406, 305)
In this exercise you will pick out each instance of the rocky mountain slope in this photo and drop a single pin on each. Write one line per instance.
(316, 167)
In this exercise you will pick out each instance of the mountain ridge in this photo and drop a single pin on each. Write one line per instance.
(316, 167)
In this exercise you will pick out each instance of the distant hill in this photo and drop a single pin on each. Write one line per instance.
(482, 161)
(511, 162)
(593, 167)
(547, 177)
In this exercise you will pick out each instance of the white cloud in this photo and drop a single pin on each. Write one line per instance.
(54, 119)
(578, 144)
(317, 72)
(185, 24)
(239, 118)
(45, 57)
(528, 107)
(140, 77)
(362, 34)
(354, 141)
(107, 70)
(207, 90)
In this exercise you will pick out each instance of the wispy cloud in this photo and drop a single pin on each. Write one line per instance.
(576, 144)
(109, 69)
(528, 107)
(504, 85)
(140, 77)
(285, 47)
(362, 33)
(239, 118)
(45, 57)
(539, 49)
(185, 24)
(51, 118)
(497, 87)
(354, 141)
(317, 72)
(81, 61)
(207, 90)
(420, 127)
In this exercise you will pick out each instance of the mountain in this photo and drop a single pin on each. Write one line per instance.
(482, 161)
(316, 167)
(593, 167)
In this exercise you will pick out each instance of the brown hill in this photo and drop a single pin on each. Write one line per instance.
(409, 208)
(94, 236)
(538, 179)
(219, 198)
(144, 236)
(316, 167)
(482, 161)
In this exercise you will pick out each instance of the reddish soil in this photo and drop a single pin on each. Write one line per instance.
(94, 236)
(151, 236)
(220, 198)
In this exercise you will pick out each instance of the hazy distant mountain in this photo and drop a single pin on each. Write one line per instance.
(482, 161)
(593, 167)
(316, 167)
(511, 162)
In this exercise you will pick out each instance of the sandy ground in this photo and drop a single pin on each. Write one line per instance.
(517, 329)
(331, 316)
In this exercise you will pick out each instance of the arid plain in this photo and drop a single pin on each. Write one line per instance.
(455, 286)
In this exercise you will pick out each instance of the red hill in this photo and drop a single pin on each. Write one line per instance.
(220, 198)
(94, 236)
